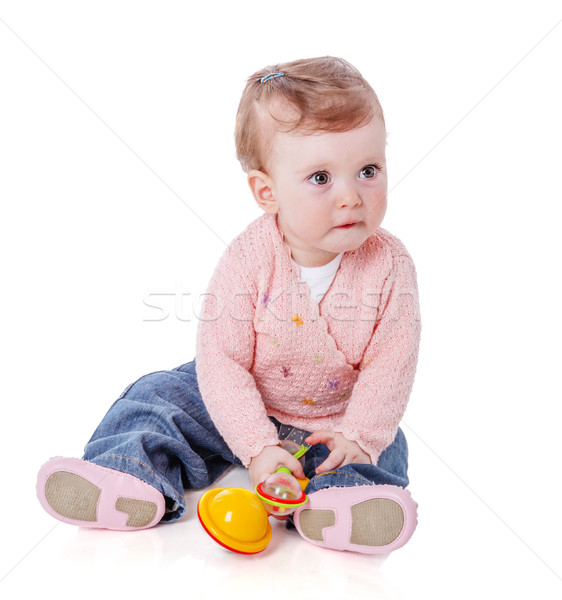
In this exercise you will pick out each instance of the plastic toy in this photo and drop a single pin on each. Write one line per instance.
(282, 493)
(237, 519)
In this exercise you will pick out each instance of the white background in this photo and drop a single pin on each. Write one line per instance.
(119, 191)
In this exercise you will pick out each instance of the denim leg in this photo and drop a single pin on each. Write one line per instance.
(391, 468)
(160, 431)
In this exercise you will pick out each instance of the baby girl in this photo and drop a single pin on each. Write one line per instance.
(311, 321)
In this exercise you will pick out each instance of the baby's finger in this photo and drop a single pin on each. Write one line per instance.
(292, 463)
(296, 468)
(320, 437)
(333, 461)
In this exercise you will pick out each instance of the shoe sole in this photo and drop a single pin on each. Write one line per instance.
(82, 493)
(373, 519)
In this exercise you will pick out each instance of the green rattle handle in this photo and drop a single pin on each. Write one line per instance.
(301, 451)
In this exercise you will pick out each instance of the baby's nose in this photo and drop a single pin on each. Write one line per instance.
(349, 197)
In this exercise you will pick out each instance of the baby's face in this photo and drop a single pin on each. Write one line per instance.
(324, 181)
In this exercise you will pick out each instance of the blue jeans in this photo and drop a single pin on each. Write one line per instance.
(160, 431)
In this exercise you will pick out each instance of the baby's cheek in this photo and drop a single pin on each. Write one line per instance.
(317, 219)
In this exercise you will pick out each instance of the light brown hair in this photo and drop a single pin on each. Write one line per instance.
(324, 94)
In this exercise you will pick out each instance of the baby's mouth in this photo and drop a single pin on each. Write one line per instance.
(347, 225)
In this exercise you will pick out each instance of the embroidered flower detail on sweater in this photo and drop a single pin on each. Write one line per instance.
(274, 343)
(309, 401)
(265, 298)
(333, 385)
(286, 371)
(297, 319)
(346, 395)
(318, 358)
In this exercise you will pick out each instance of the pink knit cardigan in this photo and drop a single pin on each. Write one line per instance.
(264, 347)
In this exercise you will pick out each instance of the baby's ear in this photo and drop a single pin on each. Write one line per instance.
(260, 184)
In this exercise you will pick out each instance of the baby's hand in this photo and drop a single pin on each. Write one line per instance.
(343, 452)
(269, 460)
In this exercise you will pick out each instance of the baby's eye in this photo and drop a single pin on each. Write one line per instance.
(368, 172)
(319, 178)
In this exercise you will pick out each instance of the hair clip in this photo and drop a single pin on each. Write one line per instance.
(269, 76)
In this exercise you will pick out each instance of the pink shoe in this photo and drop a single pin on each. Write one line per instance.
(372, 519)
(82, 493)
